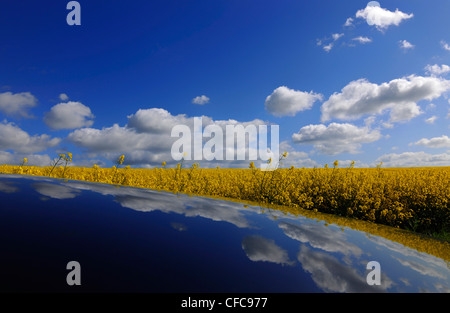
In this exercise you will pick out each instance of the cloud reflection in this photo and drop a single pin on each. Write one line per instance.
(55, 191)
(258, 248)
(7, 187)
(146, 200)
(321, 237)
(331, 275)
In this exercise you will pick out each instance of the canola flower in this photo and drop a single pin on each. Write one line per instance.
(120, 160)
(24, 161)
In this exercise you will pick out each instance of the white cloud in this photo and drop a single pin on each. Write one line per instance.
(414, 159)
(349, 22)
(387, 125)
(328, 47)
(337, 36)
(38, 159)
(335, 138)
(362, 39)
(69, 115)
(116, 139)
(17, 104)
(33, 159)
(405, 45)
(436, 70)
(382, 18)
(14, 138)
(404, 112)
(6, 157)
(288, 102)
(201, 100)
(436, 142)
(63, 97)
(146, 139)
(296, 158)
(157, 121)
(431, 120)
(445, 45)
(400, 96)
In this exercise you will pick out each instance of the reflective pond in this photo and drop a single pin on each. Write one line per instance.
(138, 240)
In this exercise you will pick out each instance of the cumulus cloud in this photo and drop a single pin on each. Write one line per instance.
(157, 121)
(400, 96)
(17, 104)
(436, 142)
(201, 100)
(414, 159)
(405, 45)
(382, 18)
(14, 138)
(33, 159)
(146, 139)
(436, 70)
(288, 102)
(362, 39)
(69, 115)
(6, 157)
(38, 159)
(115, 139)
(296, 158)
(335, 138)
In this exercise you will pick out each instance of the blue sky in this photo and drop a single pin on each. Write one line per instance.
(344, 80)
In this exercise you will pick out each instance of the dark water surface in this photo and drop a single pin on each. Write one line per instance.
(138, 240)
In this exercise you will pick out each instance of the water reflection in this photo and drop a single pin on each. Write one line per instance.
(332, 275)
(145, 200)
(259, 248)
(276, 246)
(325, 238)
(56, 191)
(8, 187)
